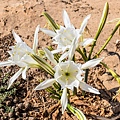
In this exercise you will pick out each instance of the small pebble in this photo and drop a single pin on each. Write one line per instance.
(16, 109)
(18, 119)
(27, 105)
(12, 119)
(13, 108)
(2, 110)
(24, 115)
(17, 113)
(15, 100)
(8, 103)
(10, 114)
(5, 115)
(21, 106)
(2, 118)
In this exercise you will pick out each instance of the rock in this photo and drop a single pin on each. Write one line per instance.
(105, 77)
(12, 119)
(112, 61)
(111, 84)
(116, 109)
(118, 69)
(10, 114)
(31, 118)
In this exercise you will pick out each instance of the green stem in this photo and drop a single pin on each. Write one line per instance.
(75, 91)
(86, 75)
(109, 38)
(84, 51)
(83, 55)
(101, 25)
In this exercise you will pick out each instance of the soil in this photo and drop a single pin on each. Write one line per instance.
(20, 102)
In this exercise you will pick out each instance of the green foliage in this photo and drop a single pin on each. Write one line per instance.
(4, 93)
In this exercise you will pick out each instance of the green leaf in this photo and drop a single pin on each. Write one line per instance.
(43, 64)
(79, 114)
(55, 97)
(50, 90)
(100, 27)
(41, 53)
(114, 20)
(57, 86)
(51, 22)
(112, 72)
(109, 38)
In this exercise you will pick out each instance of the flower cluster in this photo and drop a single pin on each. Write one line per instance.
(67, 74)
(19, 55)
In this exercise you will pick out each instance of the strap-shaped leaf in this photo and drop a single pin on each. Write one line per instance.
(100, 27)
(112, 72)
(78, 113)
(51, 22)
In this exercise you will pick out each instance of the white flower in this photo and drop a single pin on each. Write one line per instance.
(19, 55)
(69, 75)
(87, 42)
(65, 35)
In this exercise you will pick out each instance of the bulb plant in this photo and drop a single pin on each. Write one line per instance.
(66, 73)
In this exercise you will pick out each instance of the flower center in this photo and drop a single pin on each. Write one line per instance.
(67, 74)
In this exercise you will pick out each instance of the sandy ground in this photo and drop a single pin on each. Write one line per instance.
(24, 15)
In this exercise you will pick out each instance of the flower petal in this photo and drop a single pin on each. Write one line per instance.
(63, 56)
(72, 49)
(50, 56)
(35, 44)
(56, 51)
(64, 100)
(6, 63)
(48, 32)
(66, 19)
(24, 72)
(87, 42)
(92, 63)
(14, 77)
(45, 84)
(84, 23)
(16, 37)
(88, 88)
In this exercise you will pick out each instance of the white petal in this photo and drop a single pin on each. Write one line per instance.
(64, 100)
(16, 37)
(55, 42)
(6, 63)
(72, 49)
(14, 77)
(45, 84)
(48, 32)
(84, 23)
(35, 44)
(24, 73)
(92, 63)
(87, 42)
(50, 56)
(66, 19)
(88, 88)
(56, 51)
(63, 56)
